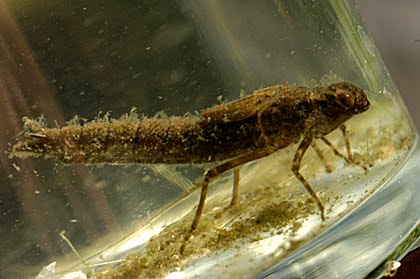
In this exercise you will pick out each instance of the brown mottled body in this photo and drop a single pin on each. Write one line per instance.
(234, 134)
(149, 141)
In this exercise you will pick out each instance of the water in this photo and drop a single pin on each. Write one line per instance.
(81, 58)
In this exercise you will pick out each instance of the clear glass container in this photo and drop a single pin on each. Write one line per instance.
(97, 59)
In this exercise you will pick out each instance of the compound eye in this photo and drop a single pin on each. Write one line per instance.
(346, 100)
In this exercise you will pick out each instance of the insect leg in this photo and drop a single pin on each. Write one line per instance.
(318, 151)
(337, 153)
(343, 130)
(214, 173)
(306, 142)
(235, 193)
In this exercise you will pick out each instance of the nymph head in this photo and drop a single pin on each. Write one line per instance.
(337, 103)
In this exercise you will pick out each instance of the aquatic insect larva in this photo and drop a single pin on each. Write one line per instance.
(233, 134)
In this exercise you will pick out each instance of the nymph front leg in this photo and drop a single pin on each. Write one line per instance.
(338, 154)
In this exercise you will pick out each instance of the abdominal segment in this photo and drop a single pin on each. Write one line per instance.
(174, 140)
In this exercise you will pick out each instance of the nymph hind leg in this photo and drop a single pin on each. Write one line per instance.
(214, 173)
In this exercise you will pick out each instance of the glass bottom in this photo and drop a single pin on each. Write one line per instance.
(381, 230)
(361, 244)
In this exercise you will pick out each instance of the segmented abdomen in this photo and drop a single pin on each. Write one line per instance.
(175, 140)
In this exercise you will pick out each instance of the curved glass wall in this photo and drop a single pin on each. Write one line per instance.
(98, 59)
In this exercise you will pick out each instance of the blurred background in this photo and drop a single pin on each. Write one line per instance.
(395, 27)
